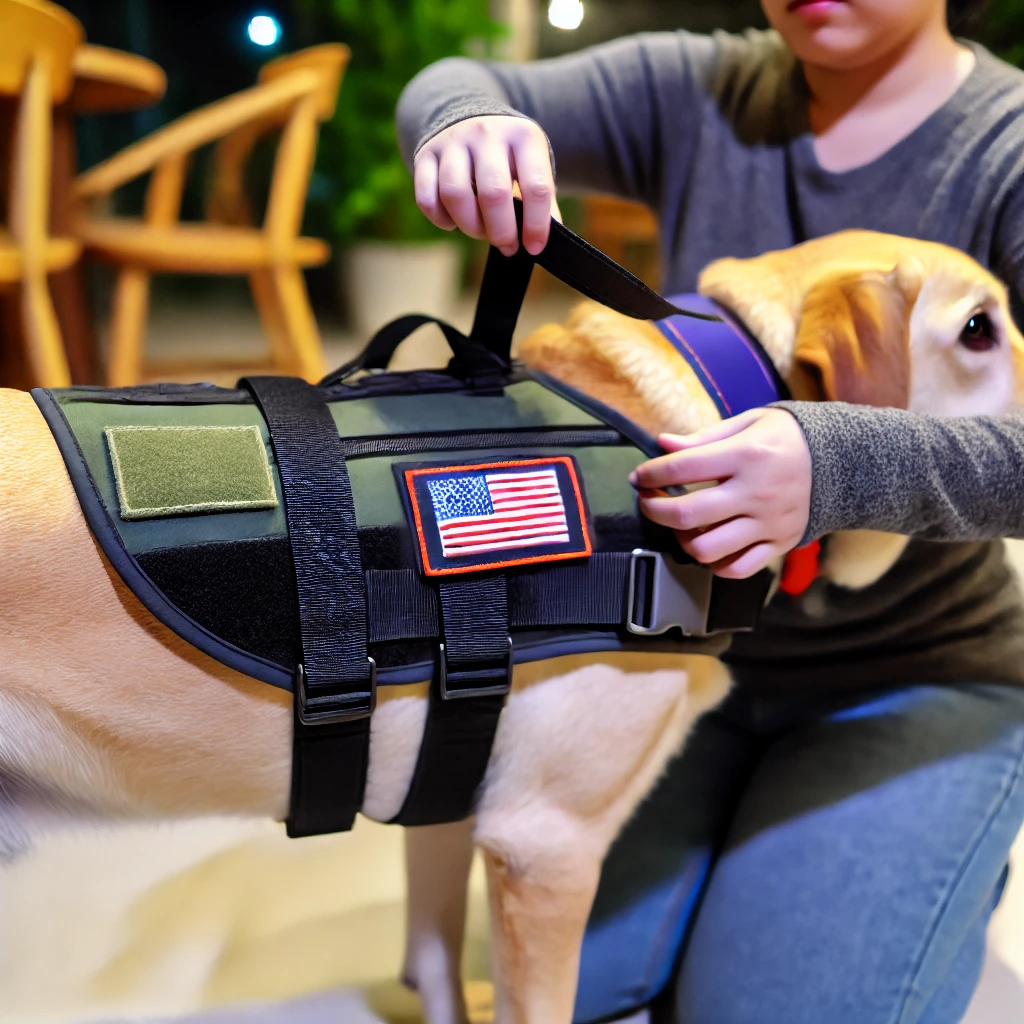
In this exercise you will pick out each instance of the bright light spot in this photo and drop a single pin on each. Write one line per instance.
(264, 30)
(565, 13)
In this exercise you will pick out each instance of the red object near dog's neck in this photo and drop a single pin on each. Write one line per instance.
(800, 569)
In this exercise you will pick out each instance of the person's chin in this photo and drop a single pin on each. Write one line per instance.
(822, 32)
(829, 45)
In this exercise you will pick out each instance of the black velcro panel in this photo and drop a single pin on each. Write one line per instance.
(241, 591)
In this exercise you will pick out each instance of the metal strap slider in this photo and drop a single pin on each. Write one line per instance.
(476, 678)
(337, 704)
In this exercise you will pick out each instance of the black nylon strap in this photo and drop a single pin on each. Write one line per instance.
(591, 593)
(471, 359)
(573, 261)
(329, 764)
(485, 354)
(474, 614)
(453, 758)
(336, 677)
(460, 729)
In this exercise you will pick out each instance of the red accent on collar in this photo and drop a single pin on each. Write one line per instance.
(800, 569)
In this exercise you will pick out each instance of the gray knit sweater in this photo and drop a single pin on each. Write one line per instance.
(711, 132)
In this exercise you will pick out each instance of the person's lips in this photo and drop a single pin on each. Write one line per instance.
(814, 8)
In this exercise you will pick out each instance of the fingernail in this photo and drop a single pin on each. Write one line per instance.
(632, 478)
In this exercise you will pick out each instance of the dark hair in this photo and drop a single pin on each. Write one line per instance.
(961, 13)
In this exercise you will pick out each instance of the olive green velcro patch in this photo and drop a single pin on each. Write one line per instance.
(174, 471)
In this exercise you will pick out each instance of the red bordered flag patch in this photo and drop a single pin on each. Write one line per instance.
(496, 514)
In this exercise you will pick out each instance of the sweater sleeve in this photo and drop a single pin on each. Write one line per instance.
(922, 476)
(614, 114)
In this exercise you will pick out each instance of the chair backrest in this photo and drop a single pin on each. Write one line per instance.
(33, 29)
(328, 60)
(227, 202)
(296, 151)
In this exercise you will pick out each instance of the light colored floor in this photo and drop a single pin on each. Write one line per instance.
(230, 918)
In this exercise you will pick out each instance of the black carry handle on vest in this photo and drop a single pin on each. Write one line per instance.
(484, 356)
(335, 685)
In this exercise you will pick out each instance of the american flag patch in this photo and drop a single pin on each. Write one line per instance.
(474, 517)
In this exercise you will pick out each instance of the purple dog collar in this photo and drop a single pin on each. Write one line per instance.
(731, 365)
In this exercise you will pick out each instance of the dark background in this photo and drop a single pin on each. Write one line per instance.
(202, 44)
(203, 47)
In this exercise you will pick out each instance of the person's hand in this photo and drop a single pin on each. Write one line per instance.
(464, 179)
(760, 506)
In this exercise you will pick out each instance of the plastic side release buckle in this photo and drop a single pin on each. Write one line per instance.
(342, 705)
(665, 594)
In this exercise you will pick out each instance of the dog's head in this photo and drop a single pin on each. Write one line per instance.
(880, 320)
(857, 317)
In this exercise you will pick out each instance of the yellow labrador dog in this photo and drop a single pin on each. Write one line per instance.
(105, 712)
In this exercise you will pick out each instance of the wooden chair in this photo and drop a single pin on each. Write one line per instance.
(37, 46)
(294, 94)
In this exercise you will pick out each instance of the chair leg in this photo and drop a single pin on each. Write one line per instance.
(48, 364)
(264, 295)
(303, 337)
(128, 327)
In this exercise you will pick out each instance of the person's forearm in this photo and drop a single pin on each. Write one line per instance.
(886, 469)
(613, 113)
(443, 94)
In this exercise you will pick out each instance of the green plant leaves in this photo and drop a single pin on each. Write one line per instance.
(364, 189)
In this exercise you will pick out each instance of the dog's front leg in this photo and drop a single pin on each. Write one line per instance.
(539, 910)
(581, 742)
(437, 863)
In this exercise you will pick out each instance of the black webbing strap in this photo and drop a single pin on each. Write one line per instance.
(474, 676)
(574, 261)
(485, 355)
(335, 685)
(591, 593)
(474, 361)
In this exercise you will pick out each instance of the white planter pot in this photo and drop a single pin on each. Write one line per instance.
(383, 280)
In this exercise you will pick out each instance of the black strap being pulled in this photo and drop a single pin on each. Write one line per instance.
(335, 684)
(466, 698)
(574, 261)
(485, 355)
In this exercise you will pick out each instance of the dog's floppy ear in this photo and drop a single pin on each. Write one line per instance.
(853, 336)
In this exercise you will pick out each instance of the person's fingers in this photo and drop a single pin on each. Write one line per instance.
(745, 563)
(455, 187)
(537, 186)
(695, 510)
(493, 177)
(427, 197)
(717, 432)
(724, 540)
(715, 461)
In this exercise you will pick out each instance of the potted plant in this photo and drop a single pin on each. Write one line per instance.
(393, 260)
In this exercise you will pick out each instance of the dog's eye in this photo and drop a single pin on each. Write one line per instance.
(979, 335)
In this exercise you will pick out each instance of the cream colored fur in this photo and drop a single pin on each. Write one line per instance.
(105, 712)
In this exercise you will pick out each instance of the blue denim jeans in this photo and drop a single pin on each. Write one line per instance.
(813, 862)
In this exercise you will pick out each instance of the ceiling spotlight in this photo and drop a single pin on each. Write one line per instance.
(263, 30)
(565, 14)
